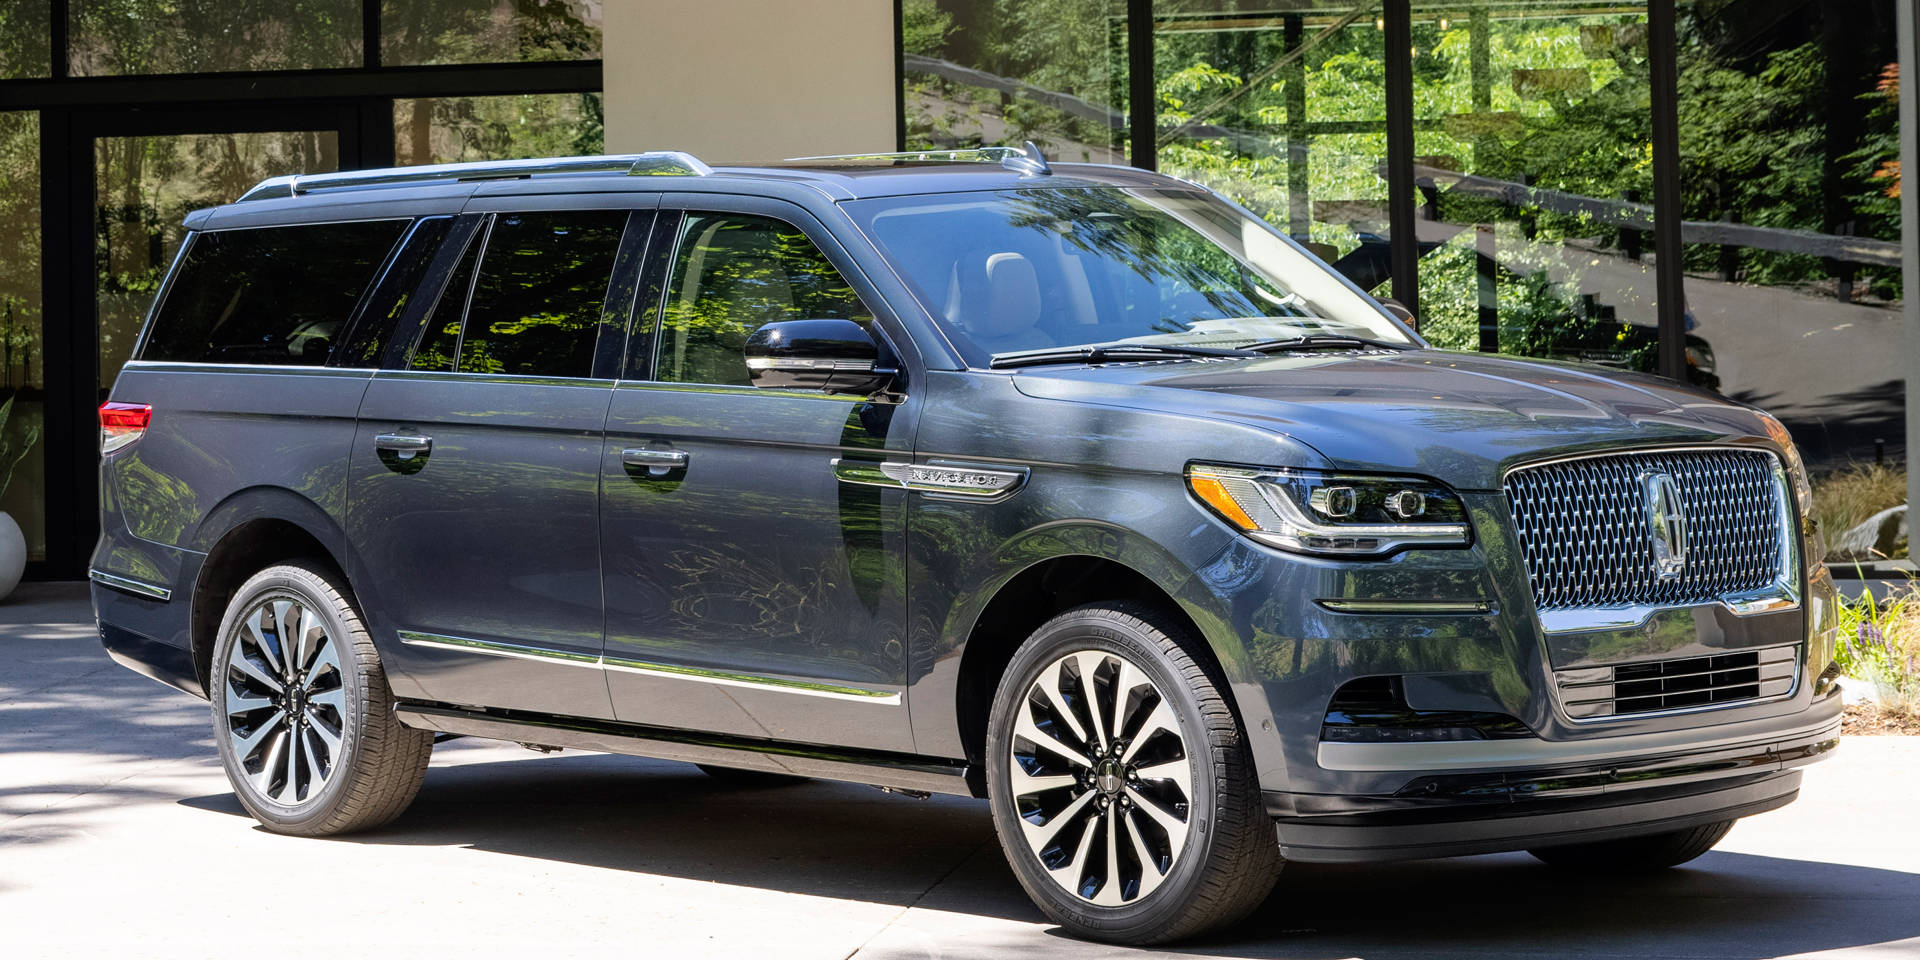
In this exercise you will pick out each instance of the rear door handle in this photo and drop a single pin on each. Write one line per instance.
(659, 463)
(404, 445)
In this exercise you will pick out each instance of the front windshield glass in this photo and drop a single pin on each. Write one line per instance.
(1019, 270)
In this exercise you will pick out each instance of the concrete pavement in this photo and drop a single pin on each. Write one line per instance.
(118, 836)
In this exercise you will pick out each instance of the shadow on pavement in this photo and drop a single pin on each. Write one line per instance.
(849, 842)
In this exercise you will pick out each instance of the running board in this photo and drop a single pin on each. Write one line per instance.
(899, 771)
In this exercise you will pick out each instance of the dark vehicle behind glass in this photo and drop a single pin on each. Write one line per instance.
(1070, 487)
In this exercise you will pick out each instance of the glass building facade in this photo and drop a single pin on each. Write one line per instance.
(117, 117)
(1706, 190)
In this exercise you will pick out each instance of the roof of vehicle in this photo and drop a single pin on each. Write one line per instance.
(394, 191)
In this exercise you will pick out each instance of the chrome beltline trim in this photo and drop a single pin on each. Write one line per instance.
(1533, 752)
(138, 588)
(696, 674)
(304, 370)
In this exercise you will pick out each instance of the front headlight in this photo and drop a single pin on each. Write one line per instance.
(1332, 514)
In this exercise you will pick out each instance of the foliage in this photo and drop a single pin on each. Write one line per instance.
(9, 457)
(1880, 644)
(1845, 497)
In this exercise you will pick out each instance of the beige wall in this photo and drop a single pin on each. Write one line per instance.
(739, 80)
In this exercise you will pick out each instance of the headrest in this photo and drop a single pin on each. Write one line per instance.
(1011, 303)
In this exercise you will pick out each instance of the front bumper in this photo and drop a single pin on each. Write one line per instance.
(1491, 796)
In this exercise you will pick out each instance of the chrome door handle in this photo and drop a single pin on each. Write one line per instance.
(659, 463)
(405, 445)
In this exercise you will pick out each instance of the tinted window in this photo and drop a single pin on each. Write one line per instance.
(538, 298)
(368, 340)
(440, 343)
(733, 273)
(277, 295)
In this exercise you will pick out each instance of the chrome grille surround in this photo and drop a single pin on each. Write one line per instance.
(1620, 690)
(1582, 528)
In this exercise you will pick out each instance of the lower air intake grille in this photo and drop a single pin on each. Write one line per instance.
(1656, 686)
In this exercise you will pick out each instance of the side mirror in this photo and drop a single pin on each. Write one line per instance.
(1400, 310)
(837, 356)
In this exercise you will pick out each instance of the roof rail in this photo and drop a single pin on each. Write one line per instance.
(655, 163)
(1025, 158)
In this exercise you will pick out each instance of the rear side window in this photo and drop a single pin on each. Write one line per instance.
(273, 295)
(537, 299)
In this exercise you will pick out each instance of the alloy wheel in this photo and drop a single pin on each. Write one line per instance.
(1101, 778)
(286, 700)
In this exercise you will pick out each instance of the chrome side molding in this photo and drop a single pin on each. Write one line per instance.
(139, 588)
(805, 688)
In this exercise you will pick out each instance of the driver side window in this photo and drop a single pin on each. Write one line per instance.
(733, 273)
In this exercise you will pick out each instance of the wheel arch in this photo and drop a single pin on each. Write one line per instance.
(246, 533)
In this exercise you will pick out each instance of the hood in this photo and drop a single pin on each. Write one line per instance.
(1462, 418)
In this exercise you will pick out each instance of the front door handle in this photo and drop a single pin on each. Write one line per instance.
(659, 463)
(404, 445)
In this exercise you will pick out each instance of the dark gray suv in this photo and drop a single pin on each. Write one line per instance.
(1075, 488)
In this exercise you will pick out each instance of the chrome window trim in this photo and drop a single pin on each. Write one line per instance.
(506, 378)
(1780, 596)
(190, 366)
(519, 651)
(139, 588)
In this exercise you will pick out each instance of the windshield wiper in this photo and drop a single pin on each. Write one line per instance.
(1316, 341)
(1108, 353)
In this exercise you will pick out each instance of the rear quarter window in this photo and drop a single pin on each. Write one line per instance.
(270, 296)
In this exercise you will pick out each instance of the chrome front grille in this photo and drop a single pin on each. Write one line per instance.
(1656, 686)
(1587, 540)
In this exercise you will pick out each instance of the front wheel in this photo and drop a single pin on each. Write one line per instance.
(1656, 851)
(1121, 783)
(302, 713)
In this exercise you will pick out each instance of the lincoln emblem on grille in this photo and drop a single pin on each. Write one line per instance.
(1667, 521)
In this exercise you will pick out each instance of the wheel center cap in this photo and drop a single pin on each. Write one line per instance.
(1109, 777)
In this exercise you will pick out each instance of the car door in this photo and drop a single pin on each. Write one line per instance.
(474, 501)
(748, 591)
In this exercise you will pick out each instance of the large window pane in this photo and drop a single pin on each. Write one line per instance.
(1789, 143)
(453, 129)
(1533, 149)
(145, 186)
(1003, 71)
(414, 32)
(1284, 112)
(24, 33)
(115, 37)
(22, 365)
(537, 302)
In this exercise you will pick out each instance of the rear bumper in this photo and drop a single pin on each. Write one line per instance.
(1630, 786)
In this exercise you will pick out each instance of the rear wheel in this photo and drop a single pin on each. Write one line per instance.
(1656, 851)
(1120, 781)
(302, 713)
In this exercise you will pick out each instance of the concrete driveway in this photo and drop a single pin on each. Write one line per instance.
(118, 836)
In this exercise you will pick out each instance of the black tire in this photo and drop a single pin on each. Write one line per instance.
(749, 778)
(1656, 851)
(1229, 858)
(374, 766)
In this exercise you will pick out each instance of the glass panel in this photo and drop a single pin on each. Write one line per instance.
(24, 33)
(1030, 269)
(1003, 71)
(1286, 114)
(414, 32)
(1533, 158)
(118, 37)
(145, 186)
(1790, 176)
(22, 368)
(276, 296)
(440, 343)
(733, 274)
(367, 345)
(536, 305)
(455, 129)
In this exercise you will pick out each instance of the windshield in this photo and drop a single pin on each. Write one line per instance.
(1017, 270)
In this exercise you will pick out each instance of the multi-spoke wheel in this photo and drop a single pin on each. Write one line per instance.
(302, 711)
(1120, 782)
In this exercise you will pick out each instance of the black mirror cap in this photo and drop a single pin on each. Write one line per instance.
(834, 355)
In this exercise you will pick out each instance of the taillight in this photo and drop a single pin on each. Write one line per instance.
(122, 423)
